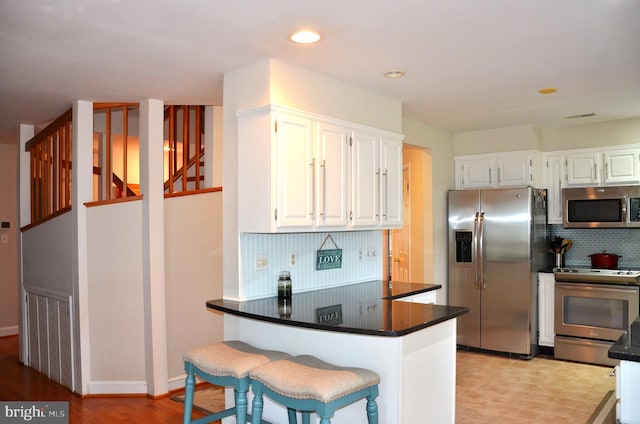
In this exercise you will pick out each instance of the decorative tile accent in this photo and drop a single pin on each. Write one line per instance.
(278, 247)
(619, 241)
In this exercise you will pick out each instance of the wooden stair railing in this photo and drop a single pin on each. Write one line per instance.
(185, 129)
(50, 154)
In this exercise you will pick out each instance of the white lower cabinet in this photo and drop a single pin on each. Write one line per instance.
(546, 288)
(426, 298)
(628, 392)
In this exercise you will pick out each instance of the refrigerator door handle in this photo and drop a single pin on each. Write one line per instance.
(482, 283)
(475, 248)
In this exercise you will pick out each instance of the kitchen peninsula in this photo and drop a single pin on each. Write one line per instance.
(375, 325)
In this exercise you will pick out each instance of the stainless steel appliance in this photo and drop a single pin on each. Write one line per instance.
(601, 207)
(496, 246)
(593, 307)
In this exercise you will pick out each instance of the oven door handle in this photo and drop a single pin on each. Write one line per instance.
(598, 288)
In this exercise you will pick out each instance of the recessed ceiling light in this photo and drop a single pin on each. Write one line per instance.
(548, 90)
(394, 74)
(305, 37)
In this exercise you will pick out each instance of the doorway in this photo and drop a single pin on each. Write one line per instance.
(411, 247)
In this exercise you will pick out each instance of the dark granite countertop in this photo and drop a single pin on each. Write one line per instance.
(623, 349)
(370, 308)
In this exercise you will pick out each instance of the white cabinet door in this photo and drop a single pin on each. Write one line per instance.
(332, 178)
(514, 170)
(583, 169)
(546, 291)
(376, 176)
(365, 179)
(622, 166)
(295, 171)
(391, 181)
(553, 182)
(476, 173)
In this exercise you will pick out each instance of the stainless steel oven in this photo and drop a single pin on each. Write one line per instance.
(592, 309)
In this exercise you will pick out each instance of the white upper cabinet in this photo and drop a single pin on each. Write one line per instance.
(622, 166)
(509, 169)
(365, 178)
(391, 191)
(583, 168)
(332, 178)
(602, 166)
(295, 173)
(475, 172)
(554, 180)
(376, 173)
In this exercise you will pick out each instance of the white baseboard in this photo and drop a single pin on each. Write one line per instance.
(179, 382)
(176, 383)
(9, 331)
(117, 387)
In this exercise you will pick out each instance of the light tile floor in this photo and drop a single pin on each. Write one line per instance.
(497, 389)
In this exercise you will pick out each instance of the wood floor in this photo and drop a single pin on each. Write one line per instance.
(490, 389)
(19, 383)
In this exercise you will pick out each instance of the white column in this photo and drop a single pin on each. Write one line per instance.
(151, 187)
(25, 133)
(82, 191)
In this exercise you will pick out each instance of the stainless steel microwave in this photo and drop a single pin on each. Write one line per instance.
(601, 207)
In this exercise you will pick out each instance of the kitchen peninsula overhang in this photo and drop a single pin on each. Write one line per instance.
(374, 308)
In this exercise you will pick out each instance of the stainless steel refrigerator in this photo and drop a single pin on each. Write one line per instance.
(497, 244)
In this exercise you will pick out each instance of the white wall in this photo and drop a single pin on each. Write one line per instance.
(116, 304)
(9, 285)
(193, 275)
(48, 256)
(524, 137)
(609, 133)
(440, 145)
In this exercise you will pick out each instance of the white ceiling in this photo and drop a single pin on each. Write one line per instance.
(470, 64)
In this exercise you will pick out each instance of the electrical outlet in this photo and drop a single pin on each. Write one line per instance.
(292, 259)
(360, 255)
(261, 262)
(372, 253)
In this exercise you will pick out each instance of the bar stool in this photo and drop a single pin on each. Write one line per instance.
(224, 364)
(305, 383)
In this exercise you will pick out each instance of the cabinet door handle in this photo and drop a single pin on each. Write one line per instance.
(386, 204)
(595, 171)
(499, 176)
(313, 186)
(490, 182)
(324, 189)
(377, 204)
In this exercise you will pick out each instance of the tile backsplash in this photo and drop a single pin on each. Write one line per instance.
(620, 241)
(361, 260)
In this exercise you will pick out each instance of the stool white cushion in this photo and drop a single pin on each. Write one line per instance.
(231, 358)
(307, 377)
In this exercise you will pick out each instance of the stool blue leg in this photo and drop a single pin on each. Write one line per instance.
(325, 420)
(293, 419)
(305, 418)
(241, 406)
(189, 388)
(256, 411)
(372, 409)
